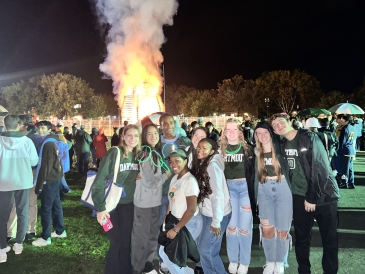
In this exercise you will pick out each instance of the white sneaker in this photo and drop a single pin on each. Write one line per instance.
(41, 242)
(269, 268)
(164, 269)
(62, 235)
(3, 255)
(232, 268)
(151, 272)
(18, 248)
(279, 268)
(243, 269)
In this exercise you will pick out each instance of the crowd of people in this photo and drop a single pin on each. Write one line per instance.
(183, 190)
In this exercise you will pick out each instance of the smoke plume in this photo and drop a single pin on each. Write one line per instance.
(134, 39)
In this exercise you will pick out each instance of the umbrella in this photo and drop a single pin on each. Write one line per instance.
(153, 118)
(313, 111)
(346, 108)
(2, 109)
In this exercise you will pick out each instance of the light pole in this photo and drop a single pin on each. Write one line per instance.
(267, 101)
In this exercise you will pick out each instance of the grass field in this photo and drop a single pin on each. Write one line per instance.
(83, 251)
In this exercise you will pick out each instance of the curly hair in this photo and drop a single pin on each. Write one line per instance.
(199, 171)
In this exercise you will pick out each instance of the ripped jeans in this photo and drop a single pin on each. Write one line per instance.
(275, 211)
(239, 230)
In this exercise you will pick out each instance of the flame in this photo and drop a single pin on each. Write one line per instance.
(133, 62)
(143, 90)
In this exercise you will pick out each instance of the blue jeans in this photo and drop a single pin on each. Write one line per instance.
(276, 205)
(239, 231)
(83, 162)
(162, 209)
(346, 172)
(209, 246)
(194, 226)
(51, 203)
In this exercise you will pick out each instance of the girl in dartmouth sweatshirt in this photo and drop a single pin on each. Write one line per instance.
(147, 199)
(118, 259)
(214, 205)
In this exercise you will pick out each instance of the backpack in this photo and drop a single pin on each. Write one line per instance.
(62, 154)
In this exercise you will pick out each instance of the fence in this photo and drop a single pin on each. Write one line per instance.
(108, 124)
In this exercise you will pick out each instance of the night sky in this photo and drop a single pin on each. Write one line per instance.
(210, 40)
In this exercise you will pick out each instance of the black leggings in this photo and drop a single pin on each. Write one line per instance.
(118, 258)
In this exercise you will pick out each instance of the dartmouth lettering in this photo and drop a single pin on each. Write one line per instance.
(268, 161)
(234, 157)
(291, 152)
(128, 166)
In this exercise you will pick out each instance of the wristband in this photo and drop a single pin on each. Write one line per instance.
(176, 231)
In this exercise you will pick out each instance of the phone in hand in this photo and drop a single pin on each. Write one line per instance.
(106, 224)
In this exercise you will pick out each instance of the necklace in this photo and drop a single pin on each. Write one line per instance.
(234, 152)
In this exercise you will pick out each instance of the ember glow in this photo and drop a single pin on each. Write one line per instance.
(133, 62)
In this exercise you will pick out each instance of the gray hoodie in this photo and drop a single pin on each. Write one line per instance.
(148, 191)
(217, 205)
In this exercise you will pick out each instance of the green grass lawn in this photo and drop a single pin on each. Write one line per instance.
(83, 251)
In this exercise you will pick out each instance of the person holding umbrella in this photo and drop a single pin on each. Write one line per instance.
(346, 152)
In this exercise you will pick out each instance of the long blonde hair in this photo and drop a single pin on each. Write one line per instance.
(136, 150)
(261, 170)
(241, 138)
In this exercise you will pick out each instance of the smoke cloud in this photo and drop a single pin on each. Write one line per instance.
(134, 39)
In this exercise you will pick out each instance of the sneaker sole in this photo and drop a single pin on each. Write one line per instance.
(17, 252)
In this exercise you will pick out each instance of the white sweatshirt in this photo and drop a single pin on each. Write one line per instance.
(217, 205)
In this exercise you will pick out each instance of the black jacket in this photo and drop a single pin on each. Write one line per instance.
(249, 159)
(182, 247)
(322, 185)
(51, 168)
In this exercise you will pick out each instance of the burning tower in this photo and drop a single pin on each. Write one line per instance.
(133, 62)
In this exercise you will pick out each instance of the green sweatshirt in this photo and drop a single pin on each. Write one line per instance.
(128, 171)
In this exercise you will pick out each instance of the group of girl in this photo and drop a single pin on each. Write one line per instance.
(213, 191)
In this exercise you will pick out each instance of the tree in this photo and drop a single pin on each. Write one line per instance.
(54, 94)
(231, 93)
(289, 88)
(198, 103)
(63, 92)
(96, 107)
(330, 99)
(112, 105)
(358, 96)
(21, 97)
(175, 95)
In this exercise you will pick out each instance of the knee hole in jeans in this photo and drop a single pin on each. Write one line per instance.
(268, 230)
(231, 230)
(244, 232)
(246, 208)
(282, 234)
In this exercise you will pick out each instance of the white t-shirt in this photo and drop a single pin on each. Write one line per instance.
(180, 189)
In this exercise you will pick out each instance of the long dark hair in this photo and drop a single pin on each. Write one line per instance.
(191, 148)
(199, 171)
(145, 151)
